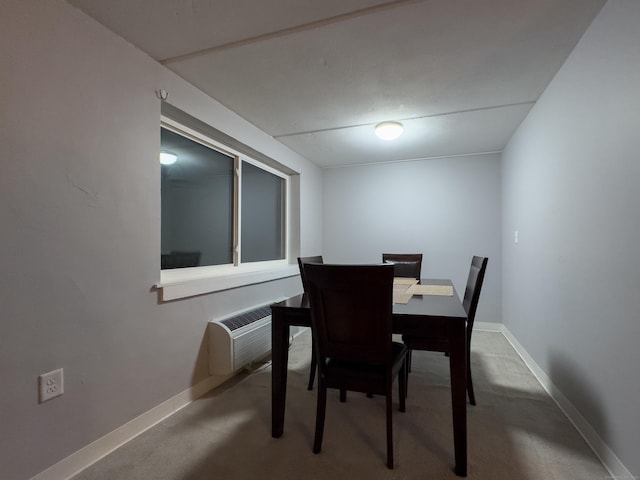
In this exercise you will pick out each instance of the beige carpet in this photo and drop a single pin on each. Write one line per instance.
(515, 432)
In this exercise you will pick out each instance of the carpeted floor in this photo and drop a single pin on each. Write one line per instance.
(515, 432)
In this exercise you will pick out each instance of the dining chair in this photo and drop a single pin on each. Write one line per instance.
(301, 262)
(351, 320)
(470, 303)
(408, 265)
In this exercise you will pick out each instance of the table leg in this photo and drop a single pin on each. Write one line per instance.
(279, 360)
(458, 370)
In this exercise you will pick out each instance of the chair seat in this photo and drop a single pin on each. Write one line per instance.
(356, 373)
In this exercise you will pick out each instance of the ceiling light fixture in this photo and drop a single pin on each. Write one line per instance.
(389, 130)
(167, 158)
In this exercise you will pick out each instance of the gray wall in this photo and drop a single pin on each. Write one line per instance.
(80, 238)
(571, 188)
(448, 209)
(80, 241)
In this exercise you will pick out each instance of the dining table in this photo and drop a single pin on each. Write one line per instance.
(440, 319)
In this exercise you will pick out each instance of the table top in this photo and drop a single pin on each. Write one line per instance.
(432, 305)
(418, 305)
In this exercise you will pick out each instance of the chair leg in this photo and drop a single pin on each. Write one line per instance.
(402, 386)
(409, 361)
(320, 413)
(472, 397)
(405, 371)
(389, 428)
(312, 371)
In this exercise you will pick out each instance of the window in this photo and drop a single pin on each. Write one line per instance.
(220, 209)
(262, 214)
(197, 204)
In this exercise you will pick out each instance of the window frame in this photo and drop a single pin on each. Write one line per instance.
(190, 281)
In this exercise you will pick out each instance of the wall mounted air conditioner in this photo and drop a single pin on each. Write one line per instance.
(239, 339)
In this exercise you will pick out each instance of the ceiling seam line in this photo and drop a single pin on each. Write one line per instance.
(290, 30)
(418, 159)
(345, 127)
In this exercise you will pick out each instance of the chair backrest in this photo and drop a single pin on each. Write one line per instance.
(405, 264)
(351, 312)
(302, 261)
(474, 285)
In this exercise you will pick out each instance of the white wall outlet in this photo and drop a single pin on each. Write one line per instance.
(516, 236)
(50, 385)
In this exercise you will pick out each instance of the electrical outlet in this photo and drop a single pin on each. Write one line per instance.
(50, 385)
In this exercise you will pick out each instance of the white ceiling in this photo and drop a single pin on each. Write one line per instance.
(319, 74)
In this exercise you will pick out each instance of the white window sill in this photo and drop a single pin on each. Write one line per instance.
(188, 282)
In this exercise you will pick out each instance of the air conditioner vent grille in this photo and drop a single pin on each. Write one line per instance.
(246, 318)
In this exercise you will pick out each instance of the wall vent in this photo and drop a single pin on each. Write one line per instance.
(239, 339)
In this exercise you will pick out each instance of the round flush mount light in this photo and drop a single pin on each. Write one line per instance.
(389, 130)
(167, 158)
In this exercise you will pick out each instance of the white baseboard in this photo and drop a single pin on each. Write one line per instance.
(88, 455)
(488, 326)
(609, 459)
(98, 449)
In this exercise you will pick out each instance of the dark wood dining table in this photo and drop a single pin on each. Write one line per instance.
(441, 319)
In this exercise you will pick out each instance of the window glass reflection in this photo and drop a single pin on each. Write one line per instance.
(262, 215)
(197, 204)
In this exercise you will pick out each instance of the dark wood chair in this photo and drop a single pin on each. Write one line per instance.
(470, 303)
(301, 262)
(351, 318)
(408, 265)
